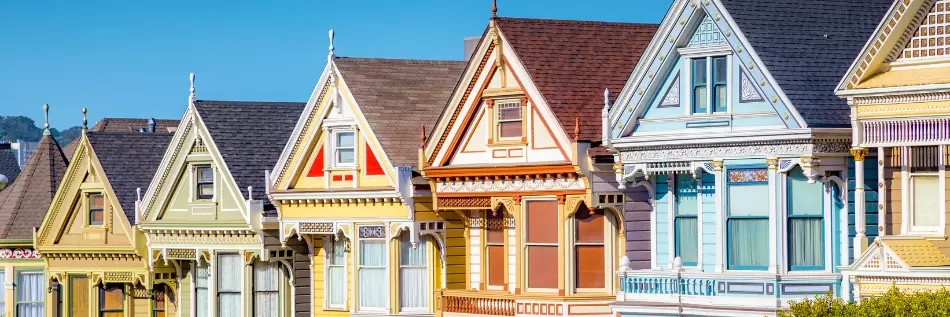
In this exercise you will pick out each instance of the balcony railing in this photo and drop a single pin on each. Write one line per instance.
(476, 303)
(650, 283)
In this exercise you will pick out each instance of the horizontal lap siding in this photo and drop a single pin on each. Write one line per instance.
(456, 254)
(870, 200)
(637, 207)
(301, 269)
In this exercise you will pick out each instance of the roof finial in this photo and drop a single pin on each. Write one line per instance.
(330, 56)
(191, 96)
(494, 9)
(84, 122)
(607, 98)
(46, 113)
(577, 128)
(422, 136)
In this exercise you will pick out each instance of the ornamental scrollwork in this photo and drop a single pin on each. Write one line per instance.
(478, 186)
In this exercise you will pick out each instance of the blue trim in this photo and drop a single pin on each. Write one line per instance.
(715, 96)
(676, 236)
(729, 224)
(696, 85)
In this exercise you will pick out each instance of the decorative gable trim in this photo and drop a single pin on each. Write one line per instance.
(683, 16)
(747, 90)
(672, 97)
(707, 34)
(304, 123)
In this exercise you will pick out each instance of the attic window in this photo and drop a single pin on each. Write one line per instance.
(204, 182)
(96, 207)
(510, 121)
(345, 148)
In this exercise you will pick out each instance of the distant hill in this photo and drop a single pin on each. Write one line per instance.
(14, 128)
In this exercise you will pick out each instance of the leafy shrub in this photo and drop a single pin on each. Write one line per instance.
(894, 303)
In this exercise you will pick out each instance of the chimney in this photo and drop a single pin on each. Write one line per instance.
(151, 125)
(471, 44)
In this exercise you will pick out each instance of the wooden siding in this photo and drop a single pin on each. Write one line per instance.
(892, 195)
(301, 269)
(456, 254)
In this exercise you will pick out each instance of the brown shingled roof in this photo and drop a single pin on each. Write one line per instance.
(397, 96)
(571, 62)
(132, 125)
(23, 205)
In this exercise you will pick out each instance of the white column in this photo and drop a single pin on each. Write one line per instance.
(475, 238)
(719, 191)
(773, 215)
(671, 219)
(860, 239)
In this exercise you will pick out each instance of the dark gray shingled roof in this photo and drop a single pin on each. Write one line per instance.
(129, 161)
(789, 37)
(250, 136)
(24, 203)
(8, 165)
(123, 125)
(398, 96)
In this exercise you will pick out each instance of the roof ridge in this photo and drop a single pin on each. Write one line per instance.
(248, 102)
(583, 22)
(406, 60)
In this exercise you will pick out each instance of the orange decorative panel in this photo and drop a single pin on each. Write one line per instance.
(372, 163)
(316, 169)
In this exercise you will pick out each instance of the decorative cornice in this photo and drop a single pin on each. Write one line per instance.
(729, 150)
(518, 185)
(301, 137)
(19, 253)
(898, 99)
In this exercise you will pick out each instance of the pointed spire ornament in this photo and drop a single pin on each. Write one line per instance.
(607, 98)
(494, 9)
(422, 136)
(331, 54)
(46, 113)
(577, 128)
(84, 121)
(191, 95)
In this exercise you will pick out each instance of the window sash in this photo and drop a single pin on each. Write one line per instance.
(31, 294)
(158, 306)
(201, 276)
(700, 102)
(202, 183)
(413, 274)
(720, 103)
(104, 300)
(540, 276)
(925, 202)
(757, 249)
(340, 149)
(78, 296)
(336, 274)
(95, 209)
(372, 272)
(686, 232)
(805, 251)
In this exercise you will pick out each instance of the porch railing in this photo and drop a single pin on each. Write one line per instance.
(476, 303)
(650, 283)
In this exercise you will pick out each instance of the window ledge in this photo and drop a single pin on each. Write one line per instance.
(342, 169)
(507, 143)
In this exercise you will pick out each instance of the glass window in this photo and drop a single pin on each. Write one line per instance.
(78, 296)
(413, 277)
(805, 222)
(229, 274)
(925, 189)
(700, 95)
(3, 294)
(509, 120)
(541, 240)
(266, 289)
(201, 290)
(30, 294)
(345, 148)
(589, 248)
(372, 268)
(111, 300)
(495, 247)
(336, 273)
(205, 182)
(159, 301)
(748, 219)
(686, 221)
(96, 204)
(720, 90)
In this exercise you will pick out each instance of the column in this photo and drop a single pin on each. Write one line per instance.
(720, 183)
(561, 263)
(860, 239)
(774, 247)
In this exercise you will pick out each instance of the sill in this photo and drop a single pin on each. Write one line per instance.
(340, 309)
(341, 168)
(764, 269)
(505, 143)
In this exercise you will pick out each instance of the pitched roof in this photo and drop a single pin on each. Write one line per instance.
(250, 136)
(572, 62)
(25, 202)
(132, 125)
(809, 47)
(396, 96)
(920, 252)
(9, 167)
(129, 161)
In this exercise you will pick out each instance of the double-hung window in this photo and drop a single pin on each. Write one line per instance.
(495, 248)
(201, 290)
(806, 233)
(267, 289)
(413, 276)
(700, 86)
(78, 296)
(925, 190)
(336, 274)
(509, 120)
(96, 207)
(685, 222)
(30, 294)
(710, 87)
(204, 176)
(344, 149)
(159, 301)
(111, 300)
(541, 244)
(589, 248)
(372, 268)
(229, 273)
(747, 222)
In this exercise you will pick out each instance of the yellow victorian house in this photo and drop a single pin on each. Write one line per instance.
(347, 185)
(899, 92)
(95, 258)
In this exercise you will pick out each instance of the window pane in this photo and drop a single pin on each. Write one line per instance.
(590, 266)
(410, 256)
(805, 199)
(686, 201)
(345, 139)
(749, 200)
(30, 294)
(336, 281)
(95, 201)
(590, 228)
(372, 253)
(541, 271)
(205, 174)
(338, 252)
(699, 71)
(496, 265)
(345, 156)
(542, 221)
(720, 69)
(413, 279)
(205, 191)
(373, 287)
(112, 298)
(267, 278)
(496, 228)
(509, 111)
(160, 298)
(511, 129)
(700, 99)
(201, 291)
(687, 239)
(78, 296)
(721, 98)
(926, 190)
(229, 272)
(748, 243)
(805, 245)
(95, 217)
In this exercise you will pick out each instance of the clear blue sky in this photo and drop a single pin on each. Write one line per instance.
(132, 58)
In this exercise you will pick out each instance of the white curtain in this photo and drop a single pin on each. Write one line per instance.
(926, 200)
(229, 273)
(30, 294)
(336, 274)
(687, 239)
(3, 294)
(266, 289)
(748, 243)
(806, 243)
(413, 280)
(372, 274)
(201, 291)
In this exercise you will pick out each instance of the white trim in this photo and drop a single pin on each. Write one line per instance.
(671, 219)
(328, 244)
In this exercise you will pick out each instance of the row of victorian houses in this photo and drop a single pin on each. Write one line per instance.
(735, 157)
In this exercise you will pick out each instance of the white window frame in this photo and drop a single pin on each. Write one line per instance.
(334, 148)
(908, 227)
(497, 106)
(328, 244)
(216, 300)
(688, 54)
(281, 278)
(356, 257)
(194, 288)
(16, 289)
(422, 241)
(524, 242)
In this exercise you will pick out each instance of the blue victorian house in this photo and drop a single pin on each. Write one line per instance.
(731, 122)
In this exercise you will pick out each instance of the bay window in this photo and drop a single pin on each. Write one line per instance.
(372, 268)
(747, 222)
(495, 248)
(541, 217)
(686, 223)
(229, 273)
(589, 248)
(413, 274)
(806, 234)
(336, 273)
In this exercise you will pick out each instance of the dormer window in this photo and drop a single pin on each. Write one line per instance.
(510, 121)
(96, 209)
(710, 87)
(344, 148)
(204, 182)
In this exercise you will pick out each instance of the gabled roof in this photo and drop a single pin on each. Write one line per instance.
(9, 167)
(133, 125)
(249, 135)
(572, 62)
(920, 252)
(809, 47)
(24, 203)
(397, 96)
(129, 161)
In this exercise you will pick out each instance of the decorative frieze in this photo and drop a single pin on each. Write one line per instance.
(372, 232)
(479, 186)
(904, 132)
(203, 239)
(316, 228)
(180, 254)
(19, 253)
(709, 151)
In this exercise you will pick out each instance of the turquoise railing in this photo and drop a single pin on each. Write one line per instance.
(668, 286)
